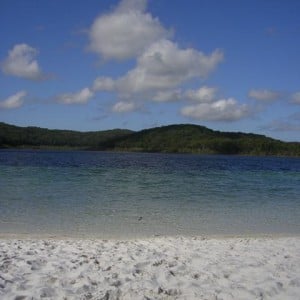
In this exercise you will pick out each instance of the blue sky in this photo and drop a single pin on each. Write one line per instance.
(95, 65)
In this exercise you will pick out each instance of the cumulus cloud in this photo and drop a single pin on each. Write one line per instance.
(203, 94)
(126, 31)
(21, 62)
(264, 95)
(80, 97)
(103, 84)
(122, 107)
(13, 101)
(221, 110)
(168, 95)
(296, 98)
(164, 65)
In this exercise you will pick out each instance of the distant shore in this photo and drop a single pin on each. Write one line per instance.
(152, 268)
(176, 138)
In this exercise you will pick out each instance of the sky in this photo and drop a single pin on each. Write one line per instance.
(103, 64)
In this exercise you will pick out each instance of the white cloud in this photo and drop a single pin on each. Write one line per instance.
(125, 32)
(164, 65)
(21, 62)
(168, 95)
(122, 107)
(203, 94)
(80, 97)
(161, 68)
(103, 84)
(296, 98)
(264, 95)
(13, 101)
(221, 110)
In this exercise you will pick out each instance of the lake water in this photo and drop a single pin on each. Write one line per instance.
(99, 194)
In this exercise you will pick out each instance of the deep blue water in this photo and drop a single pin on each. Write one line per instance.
(100, 194)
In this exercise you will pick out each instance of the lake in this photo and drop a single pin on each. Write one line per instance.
(128, 195)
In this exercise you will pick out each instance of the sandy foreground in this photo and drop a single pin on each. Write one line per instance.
(155, 268)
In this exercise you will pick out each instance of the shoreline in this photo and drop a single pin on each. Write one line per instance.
(151, 268)
(84, 237)
(128, 151)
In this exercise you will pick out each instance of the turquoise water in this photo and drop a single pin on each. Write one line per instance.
(99, 194)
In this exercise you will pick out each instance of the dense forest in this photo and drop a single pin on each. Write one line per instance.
(35, 137)
(185, 138)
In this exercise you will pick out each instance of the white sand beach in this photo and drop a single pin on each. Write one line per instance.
(154, 268)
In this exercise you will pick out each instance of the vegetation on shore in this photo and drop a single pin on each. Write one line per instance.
(185, 138)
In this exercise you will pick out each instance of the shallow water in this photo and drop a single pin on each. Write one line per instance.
(100, 194)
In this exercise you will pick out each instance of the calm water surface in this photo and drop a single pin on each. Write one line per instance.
(98, 194)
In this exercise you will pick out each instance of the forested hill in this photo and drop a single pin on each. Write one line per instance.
(35, 137)
(184, 138)
(199, 139)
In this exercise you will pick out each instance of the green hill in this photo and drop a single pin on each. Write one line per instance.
(185, 138)
(35, 137)
(198, 139)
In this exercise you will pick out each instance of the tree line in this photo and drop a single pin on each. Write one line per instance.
(184, 138)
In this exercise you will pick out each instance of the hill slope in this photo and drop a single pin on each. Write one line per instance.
(185, 138)
(198, 139)
(35, 137)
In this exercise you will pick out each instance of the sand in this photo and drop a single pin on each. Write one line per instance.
(154, 268)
